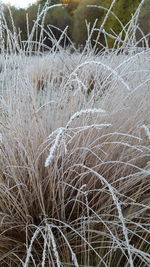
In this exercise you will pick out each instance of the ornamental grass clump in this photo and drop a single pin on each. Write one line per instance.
(89, 206)
(74, 163)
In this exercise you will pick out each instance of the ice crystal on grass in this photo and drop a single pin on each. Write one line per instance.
(61, 132)
(54, 147)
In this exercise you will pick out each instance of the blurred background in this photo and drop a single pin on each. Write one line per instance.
(76, 14)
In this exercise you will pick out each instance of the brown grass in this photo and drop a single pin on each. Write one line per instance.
(90, 205)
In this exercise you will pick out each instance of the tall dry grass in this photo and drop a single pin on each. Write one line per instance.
(75, 155)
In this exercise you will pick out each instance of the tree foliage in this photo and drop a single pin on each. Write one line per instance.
(75, 15)
(82, 15)
(144, 19)
(60, 18)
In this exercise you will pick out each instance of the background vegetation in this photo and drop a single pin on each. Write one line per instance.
(76, 15)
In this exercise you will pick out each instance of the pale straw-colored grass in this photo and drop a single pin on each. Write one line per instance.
(75, 156)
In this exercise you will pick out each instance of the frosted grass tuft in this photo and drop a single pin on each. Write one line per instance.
(87, 113)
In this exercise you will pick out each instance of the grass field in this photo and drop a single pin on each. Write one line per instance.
(75, 154)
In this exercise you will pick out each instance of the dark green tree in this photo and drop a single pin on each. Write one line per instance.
(60, 18)
(83, 14)
(144, 21)
(123, 9)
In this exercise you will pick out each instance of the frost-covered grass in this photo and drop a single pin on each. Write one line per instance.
(75, 157)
